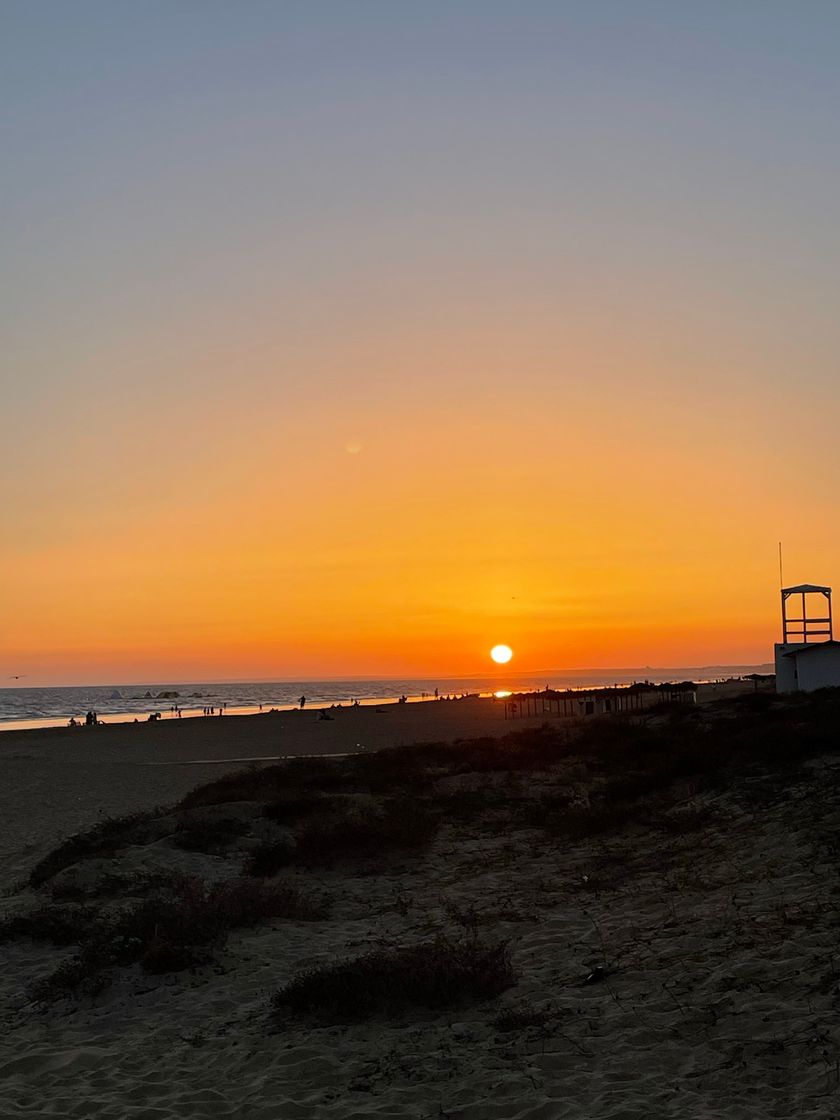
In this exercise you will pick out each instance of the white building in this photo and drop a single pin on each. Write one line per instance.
(807, 657)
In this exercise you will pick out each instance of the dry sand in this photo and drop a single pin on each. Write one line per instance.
(719, 999)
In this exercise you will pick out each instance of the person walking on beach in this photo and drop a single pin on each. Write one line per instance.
(302, 701)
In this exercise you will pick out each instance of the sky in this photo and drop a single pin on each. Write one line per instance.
(356, 337)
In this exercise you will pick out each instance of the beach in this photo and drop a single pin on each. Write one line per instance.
(680, 965)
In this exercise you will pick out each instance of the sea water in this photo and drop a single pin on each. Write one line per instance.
(45, 707)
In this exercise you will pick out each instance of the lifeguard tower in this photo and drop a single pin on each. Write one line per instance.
(807, 657)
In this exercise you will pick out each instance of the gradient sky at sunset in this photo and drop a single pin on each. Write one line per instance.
(356, 337)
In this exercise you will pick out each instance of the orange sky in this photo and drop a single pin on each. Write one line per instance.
(406, 533)
(440, 334)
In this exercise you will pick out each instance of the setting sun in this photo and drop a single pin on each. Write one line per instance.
(501, 654)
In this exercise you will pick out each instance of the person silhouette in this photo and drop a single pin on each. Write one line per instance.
(302, 701)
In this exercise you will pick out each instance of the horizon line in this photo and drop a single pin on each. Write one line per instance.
(587, 670)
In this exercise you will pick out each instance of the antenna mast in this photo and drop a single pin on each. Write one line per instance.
(781, 570)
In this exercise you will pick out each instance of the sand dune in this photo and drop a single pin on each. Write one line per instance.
(54, 782)
(661, 973)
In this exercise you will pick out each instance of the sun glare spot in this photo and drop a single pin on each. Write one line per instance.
(501, 654)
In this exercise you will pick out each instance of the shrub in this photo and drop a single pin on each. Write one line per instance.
(267, 783)
(126, 884)
(292, 806)
(253, 784)
(198, 916)
(60, 925)
(636, 784)
(466, 805)
(173, 931)
(104, 838)
(269, 858)
(547, 812)
(389, 770)
(74, 977)
(530, 749)
(435, 974)
(208, 834)
(597, 820)
(401, 825)
(166, 954)
(241, 902)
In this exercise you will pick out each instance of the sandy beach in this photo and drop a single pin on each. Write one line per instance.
(681, 964)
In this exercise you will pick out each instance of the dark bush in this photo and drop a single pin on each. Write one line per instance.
(396, 825)
(636, 784)
(103, 839)
(166, 954)
(547, 811)
(241, 903)
(74, 977)
(392, 770)
(173, 931)
(597, 820)
(59, 925)
(292, 806)
(125, 884)
(254, 784)
(199, 916)
(467, 805)
(269, 858)
(286, 780)
(205, 834)
(435, 974)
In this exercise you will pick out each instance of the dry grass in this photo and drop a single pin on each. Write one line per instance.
(104, 839)
(434, 974)
(166, 932)
(58, 925)
(393, 825)
(206, 834)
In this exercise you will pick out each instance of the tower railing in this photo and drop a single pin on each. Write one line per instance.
(808, 628)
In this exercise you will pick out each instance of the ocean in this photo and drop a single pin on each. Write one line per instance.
(46, 707)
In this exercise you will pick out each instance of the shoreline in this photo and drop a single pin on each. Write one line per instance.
(169, 714)
(168, 711)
